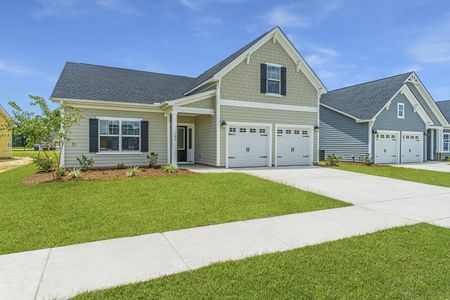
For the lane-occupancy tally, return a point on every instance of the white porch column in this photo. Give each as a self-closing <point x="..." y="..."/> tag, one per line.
<point x="432" y="144"/>
<point x="174" y="132"/>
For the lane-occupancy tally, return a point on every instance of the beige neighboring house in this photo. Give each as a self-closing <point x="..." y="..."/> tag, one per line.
<point x="5" y="137"/>
<point x="258" y="107"/>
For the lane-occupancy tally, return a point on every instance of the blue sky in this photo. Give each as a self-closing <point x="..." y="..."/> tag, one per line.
<point x="346" y="42"/>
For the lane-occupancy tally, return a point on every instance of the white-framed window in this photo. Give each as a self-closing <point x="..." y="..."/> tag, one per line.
<point x="119" y="135"/>
<point x="400" y="110"/>
<point x="447" y="142"/>
<point x="273" y="84"/>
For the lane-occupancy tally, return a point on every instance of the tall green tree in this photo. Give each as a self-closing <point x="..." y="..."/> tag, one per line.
<point x="50" y="128"/>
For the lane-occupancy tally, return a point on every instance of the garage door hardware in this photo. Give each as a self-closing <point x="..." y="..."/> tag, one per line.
<point x="263" y="157"/>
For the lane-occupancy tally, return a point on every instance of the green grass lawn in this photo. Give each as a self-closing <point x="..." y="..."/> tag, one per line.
<point x="56" y="214"/>
<point x="25" y="152"/>
<point x="422" y="176"/>
<point x="411" y="262"/>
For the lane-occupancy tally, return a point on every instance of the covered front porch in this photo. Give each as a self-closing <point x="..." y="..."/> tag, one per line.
<point x="191" y="135"/>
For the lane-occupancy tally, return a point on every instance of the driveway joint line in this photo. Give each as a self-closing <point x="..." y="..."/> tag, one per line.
<point x="42" y="274"/>
<point x="176" y="251"/>
<point x="268" y="234"/>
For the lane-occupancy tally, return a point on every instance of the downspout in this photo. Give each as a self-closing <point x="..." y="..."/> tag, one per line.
<point x="319" y="94"/>
<point x="218" y="124"/>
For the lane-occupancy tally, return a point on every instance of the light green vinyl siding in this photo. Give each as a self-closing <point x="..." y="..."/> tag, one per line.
<point x="256" y="115"/>
<point x="79" y="134"/>
<point x="205" y="140"/>
<point x="243" y="82"/>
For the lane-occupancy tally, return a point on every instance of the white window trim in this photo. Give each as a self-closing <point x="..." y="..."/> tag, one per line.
<point x="446" y="141"/>
<point x="120" y="135"/>
<point x="402" y="110"/>
<point x="267" y="80"/>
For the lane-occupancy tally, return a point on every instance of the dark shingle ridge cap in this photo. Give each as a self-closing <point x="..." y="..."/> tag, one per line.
<point x="127" y="69"/>
<point x="442" y="101"/>
<point x="371" y="81"/>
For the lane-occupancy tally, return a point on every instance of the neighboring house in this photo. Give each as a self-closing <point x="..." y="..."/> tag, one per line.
<point x="258" y="107"/>
<point x="394" y="120"/>
<point x="444" y="106"/>
<point x="5" y="137"/>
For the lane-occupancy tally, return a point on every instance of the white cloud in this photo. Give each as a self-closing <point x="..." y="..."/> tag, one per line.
<point x="198" y="4"/>
<point x="15" y="69"/>
<point x="433" y="44"/>
<point x="284" y="16"/>
<point x="320" y="57"/>
<point x="65" y="8"/>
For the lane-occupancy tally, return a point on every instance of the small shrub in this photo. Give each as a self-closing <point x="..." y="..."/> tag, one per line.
<point x="120" y="166"/>
<point x="169" y="168"/>
<point x="86" y="163"/>
<point x="333" y="159"/>
<point x="44" y="164"/>
<point x="132" y="171"/>
<point x="447" y="158"/>
<point x="60" y="172"/>
<point x="152" y="159"/>
<point x="75" y="173"/>
<point x="368" y="160"/>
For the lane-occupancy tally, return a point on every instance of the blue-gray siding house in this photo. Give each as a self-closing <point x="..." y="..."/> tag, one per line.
<point x="444" y="106"/>
<point x="392" y="120"/>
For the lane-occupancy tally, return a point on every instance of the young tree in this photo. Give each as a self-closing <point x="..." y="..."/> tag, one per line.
<point x="49" y="129"/>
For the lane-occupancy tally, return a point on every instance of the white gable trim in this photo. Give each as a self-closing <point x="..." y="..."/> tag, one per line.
<point x="414" y="79"/>
<point x="190" y="99"/>
<point x="278" y="36"/>
<point x="404" y="90"/>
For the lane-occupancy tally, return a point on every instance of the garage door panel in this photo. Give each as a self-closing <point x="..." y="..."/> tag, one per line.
<point x="293" y="146"/>
<point x="412" y="147"/>
<point x="386" y="148"/>
<point x="248" y="146"/>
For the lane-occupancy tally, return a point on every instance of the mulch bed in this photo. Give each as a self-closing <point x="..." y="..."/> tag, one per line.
<point x="99" y="174"/>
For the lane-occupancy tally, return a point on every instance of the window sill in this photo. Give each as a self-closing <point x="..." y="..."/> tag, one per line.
<point x="118" y="152"/>
<point x="273" y="95"/>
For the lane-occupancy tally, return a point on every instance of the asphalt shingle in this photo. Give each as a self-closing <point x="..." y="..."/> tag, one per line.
<point x="365" y="100"/>
<point x="444" y="107"/>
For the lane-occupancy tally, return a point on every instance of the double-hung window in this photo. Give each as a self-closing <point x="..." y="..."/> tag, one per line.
<point x="273" y="79"/>
<point x="447" y="142"/>
<point x="400" y="110"/>
<point x="119" y="135"/>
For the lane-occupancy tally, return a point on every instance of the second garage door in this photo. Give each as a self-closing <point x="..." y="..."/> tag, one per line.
<point x="412" y="147"/>
<point x="294" y="146"/>
<point x="248" y="146"/>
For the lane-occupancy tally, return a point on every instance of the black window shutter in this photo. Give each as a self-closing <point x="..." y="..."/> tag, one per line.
<point x="283" y="81"/>
<point x="144" y="136"/>
<point x="263" y="78"/>
<point x="93" y="135"/>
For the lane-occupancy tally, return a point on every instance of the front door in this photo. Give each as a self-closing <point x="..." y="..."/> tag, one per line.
<point x="181" y="143"/>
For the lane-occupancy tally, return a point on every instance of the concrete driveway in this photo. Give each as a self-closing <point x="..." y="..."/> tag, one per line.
<point x="440" y="166"/>
<point x="414" y="201"/>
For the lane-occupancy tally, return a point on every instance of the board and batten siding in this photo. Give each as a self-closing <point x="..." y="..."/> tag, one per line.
<point x="79" y="134"/>
<point x="205" y="140"/>
<point x="258" y="115"/>
<point x="243" y="81"/>
<point x="341" y="135"/>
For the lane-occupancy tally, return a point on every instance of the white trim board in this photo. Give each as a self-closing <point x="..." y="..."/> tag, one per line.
<point x="252" y="104"/>
<point x="193" y="110"/>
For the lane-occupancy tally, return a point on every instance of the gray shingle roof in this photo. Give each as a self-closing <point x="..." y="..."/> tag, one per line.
<point x="444" y="107"/>
<point x="93" y="82"/>
<point x="365" y="100"/>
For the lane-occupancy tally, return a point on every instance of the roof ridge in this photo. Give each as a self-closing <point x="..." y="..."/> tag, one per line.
<point x="127" y="69"/>
<point x="442" y="101"/>
<point x="371" y="81"/>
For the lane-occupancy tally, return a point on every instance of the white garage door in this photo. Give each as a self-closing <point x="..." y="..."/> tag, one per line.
<point x="248" y="146"/>
<point x="387" y="147"/>
<point x="412" y="147"/>
<point x="294" y="146"/>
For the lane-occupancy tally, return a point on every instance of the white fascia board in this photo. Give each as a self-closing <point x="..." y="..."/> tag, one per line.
<point x="250" y="104"/>
<point x="341" y="112"/>
<point x="416" y="104"/>
<point x="430" y="101"/>
<point x="287" y="46"/>
<point x="190" y="99"/>
<point x="94" y="104"/>
<point x="193" y="110"/>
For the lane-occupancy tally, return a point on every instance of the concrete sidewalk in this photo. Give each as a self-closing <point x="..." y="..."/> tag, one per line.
<point x="380" y="203"/>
